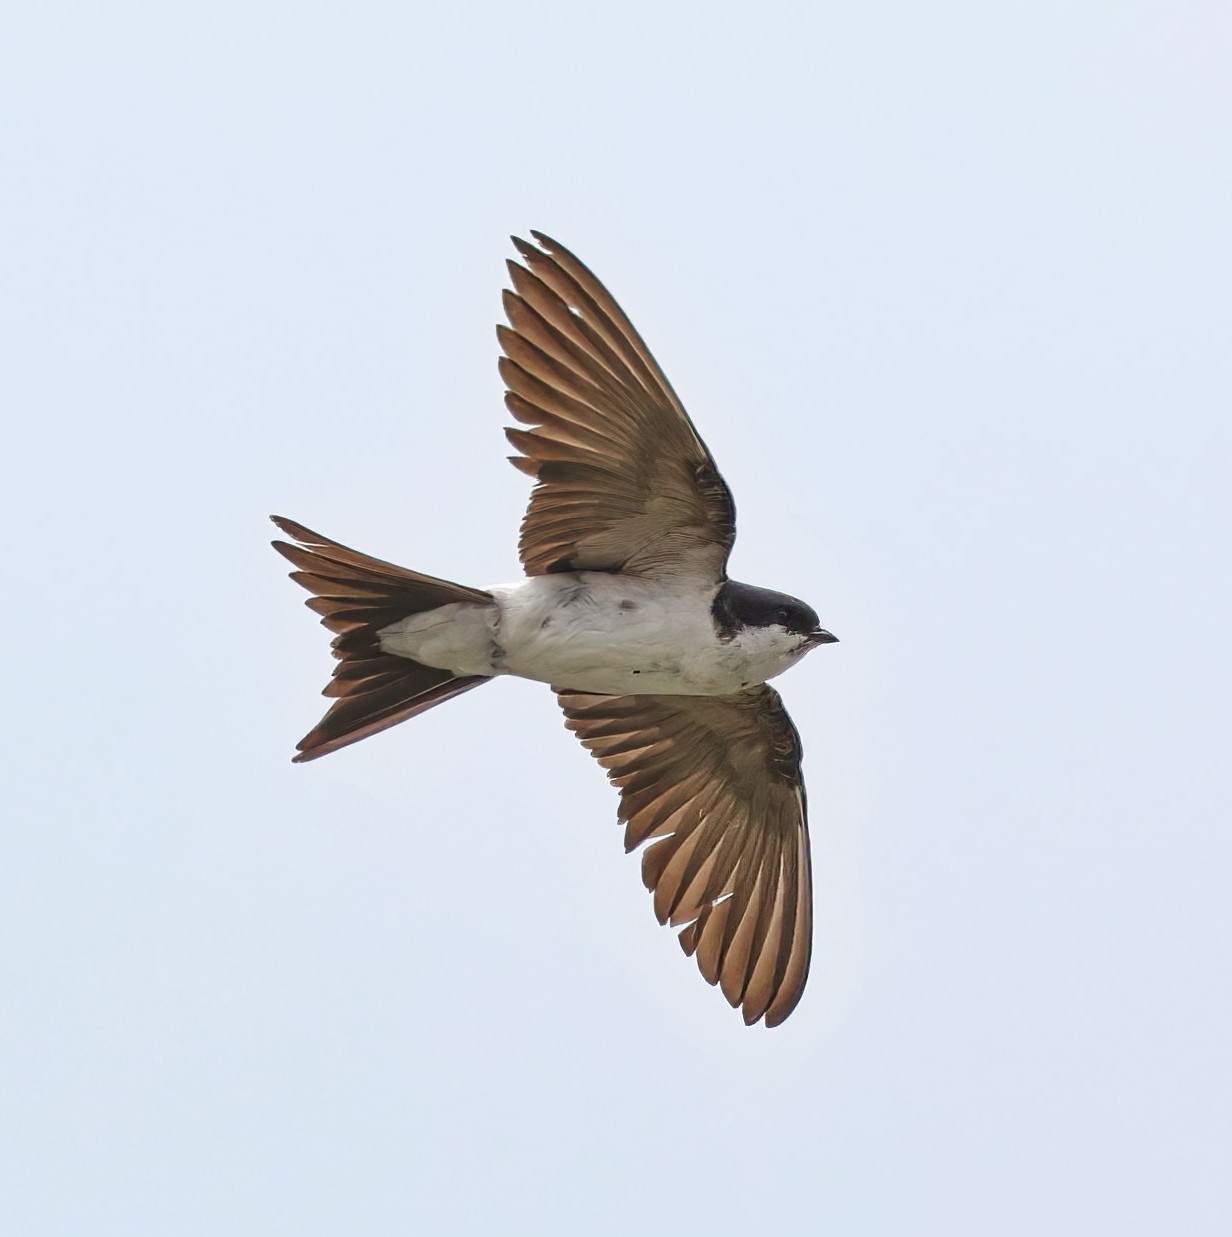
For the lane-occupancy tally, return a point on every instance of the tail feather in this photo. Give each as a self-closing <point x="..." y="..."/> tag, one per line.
<point x="357" y="597"/>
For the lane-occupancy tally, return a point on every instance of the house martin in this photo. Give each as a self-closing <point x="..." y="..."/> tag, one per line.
<point x="659" y="661"/>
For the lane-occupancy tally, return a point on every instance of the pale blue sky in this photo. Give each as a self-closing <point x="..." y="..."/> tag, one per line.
<point x="947" y="289"/>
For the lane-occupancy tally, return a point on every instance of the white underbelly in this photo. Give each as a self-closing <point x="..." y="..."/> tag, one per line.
<point x="594" y="632"/>
<point x="616" y="635"/>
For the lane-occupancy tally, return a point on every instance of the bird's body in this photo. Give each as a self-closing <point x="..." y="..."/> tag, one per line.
<point x="659" y="660"/>
<point x="596" y="631"/>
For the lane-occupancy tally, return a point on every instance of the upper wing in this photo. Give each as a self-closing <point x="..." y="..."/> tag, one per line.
<point x="624" y="481"/>
<point x="717" y="780"/>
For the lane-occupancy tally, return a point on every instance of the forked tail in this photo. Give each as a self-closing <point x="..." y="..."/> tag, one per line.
<point x="357" y="597"/>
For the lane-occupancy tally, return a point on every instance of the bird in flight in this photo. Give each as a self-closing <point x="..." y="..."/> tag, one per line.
<point x="659" y="661"/>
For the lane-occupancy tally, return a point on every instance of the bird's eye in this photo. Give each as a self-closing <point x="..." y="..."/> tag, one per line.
<point x="782" y="615"/>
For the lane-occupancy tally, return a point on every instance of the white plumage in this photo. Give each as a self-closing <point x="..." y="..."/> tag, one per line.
<point x="597" y="632"/>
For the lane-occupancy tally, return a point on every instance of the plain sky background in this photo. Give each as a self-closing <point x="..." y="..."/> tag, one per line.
<point x="947" y="289"/>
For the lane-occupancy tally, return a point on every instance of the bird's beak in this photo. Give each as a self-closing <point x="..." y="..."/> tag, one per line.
<point x="820" y="636"/>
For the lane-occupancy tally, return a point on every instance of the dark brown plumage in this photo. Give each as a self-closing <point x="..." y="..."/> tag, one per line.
<point x="625" y="482"/>
<point x="357" y="595"/>
<point x="714" y="783"/>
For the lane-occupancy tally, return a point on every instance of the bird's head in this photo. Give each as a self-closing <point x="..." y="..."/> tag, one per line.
<point x="743" y="608"/>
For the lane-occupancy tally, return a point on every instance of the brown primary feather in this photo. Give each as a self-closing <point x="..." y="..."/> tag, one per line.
<point x="715" y="784"/>
<point x="357" y="596"/>
<point x="625" y="482"/>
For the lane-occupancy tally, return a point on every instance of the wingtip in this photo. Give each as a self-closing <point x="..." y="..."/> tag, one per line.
<point x="525" y="248"/>
<point x="297" y="532"/>
<point x="546" y="245"/>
